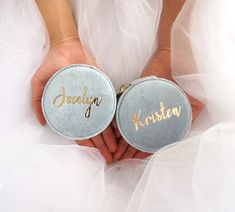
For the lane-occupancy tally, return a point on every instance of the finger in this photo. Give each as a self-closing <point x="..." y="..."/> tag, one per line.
<point x="87" y="143"/>
<point x="114" y="124"/>
<point x="116" y="130"/>
<point x="141" y="155"/>
<point x="129" y="153"/>
<point x="110" y="139"/>
<point x="100" y="144"/>
<point x="120" y="149"/>
<point x="37" y="90"/>
<point x="117" y="134"/>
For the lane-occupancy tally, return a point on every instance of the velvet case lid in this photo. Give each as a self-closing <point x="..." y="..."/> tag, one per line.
<point x="152" y="113"/>
<point x="79" y="102"/>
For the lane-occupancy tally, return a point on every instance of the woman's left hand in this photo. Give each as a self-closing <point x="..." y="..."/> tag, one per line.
<point x="159" y="66"/>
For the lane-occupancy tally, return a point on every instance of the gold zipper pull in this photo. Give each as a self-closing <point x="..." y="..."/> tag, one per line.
<point x="122" y="89"/>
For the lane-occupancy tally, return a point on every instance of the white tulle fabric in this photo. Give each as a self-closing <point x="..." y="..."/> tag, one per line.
<point x="119" y="34"/>
<point x="41" y="171"/>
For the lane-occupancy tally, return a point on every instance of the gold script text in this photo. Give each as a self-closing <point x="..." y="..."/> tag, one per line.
<point x="62" y="99"/>
<point x="155" y="117"/>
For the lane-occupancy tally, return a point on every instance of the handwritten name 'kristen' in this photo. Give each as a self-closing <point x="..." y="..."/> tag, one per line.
<point x="62" y="99"/>
<point x="161" y="115"/>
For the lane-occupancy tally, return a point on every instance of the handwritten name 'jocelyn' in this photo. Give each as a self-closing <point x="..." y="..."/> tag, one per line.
<point x="83" y="99"/>
<point x="154" y="117"/>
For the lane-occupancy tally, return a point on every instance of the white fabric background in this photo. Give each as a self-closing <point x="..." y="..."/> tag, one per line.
<point x="40" y="171"/>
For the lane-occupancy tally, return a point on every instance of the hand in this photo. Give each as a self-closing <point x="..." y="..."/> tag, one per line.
<point x="124" y="150"/>
<point x="106" y="142"/>
<point x="159" y="66"/>
<point x="61" y="55"/>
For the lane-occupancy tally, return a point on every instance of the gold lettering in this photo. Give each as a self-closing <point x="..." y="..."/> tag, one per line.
<point x="70" y="99"/>
<point x="78" y="100"/>
<point x="155" y="117"/>
<point x="168" y="113"/>
<point x="136" y="120"/>
<point x="159" y="117"/>
<point x="61" y="99"/>
<point x="84" y="95"/>
<point x="162" y="110"/>
<point x="96" y="102"/>
<point x="176" y="111"/>
<point x="147" y="119"/>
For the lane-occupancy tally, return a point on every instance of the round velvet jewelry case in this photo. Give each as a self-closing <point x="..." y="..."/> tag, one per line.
<point x="79" y="102"/>
<point x="152" y="113"/>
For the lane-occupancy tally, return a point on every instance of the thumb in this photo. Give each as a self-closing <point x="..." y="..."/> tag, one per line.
<point x="159" y="65"/>
<point x="37" y="91"/>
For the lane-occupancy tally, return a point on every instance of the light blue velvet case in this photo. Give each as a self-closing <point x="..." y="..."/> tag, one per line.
<point x="152" y="113"/>
<point x="79" y="102"/>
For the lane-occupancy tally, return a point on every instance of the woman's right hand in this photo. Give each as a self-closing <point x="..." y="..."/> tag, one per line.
<point x="62" y="54"/>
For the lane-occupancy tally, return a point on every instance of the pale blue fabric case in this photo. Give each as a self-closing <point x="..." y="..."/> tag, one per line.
<point x="79" y="102"/>
<point x="152" y="113"/>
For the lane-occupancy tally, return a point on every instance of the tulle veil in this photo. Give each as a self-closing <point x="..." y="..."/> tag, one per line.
<point x="40" y="171"/>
